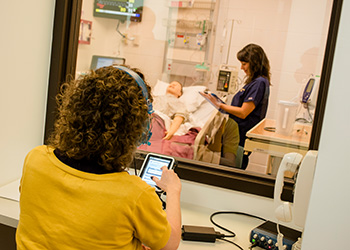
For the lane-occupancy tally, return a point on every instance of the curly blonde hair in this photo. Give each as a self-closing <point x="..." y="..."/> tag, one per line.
<point x="102" y="117"/>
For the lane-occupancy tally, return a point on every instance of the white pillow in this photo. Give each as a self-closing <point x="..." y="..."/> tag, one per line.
<point x="160" y="88"/>
<point x="192" y="98"/>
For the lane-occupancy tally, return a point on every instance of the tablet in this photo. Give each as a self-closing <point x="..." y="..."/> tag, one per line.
<point x="216" y="97"/>
<point x="152" y="167"/>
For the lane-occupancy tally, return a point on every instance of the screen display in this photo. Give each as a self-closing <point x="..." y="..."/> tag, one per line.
<point x="310" y="85"/>
<point x="122" y="10"/>
<point x="223" y="81"/>
<point x="307" y="90"/>
<point x="104" y="61"/>
<point x="152" y="167"/>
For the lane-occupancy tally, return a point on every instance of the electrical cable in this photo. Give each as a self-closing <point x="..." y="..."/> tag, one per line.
<point x="231" y="212"/>
<point x="279" y="237"/>
<point x="304" y="120"/>
<point x="135" y="169"/>
<point x="232" y="243"/>
<point x="119" y="31"/>
<point x="160" y="197"/>
<point x="124" y="36"/>
<point x="253" y="245"/>
<point x="222" y="236"/>
<point x="310" y="115"/>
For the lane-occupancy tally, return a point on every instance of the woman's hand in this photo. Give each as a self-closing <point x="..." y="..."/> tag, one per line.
<point x="212" y="99"/>
<point x="171" y="184"/>
<point x="169" y="181"/>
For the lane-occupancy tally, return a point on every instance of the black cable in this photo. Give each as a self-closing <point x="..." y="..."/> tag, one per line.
<point x="135" y="169"/>
<point x="232" y="212"/>
<point x="303" y="120"/>
<point x="160" y="197"/>
<point x="119" y="31"/>
<point x="223" y="228"/>
<point x="253" y="245"/>
<point x="221" y="236"/>
<point x="232" y="243"/>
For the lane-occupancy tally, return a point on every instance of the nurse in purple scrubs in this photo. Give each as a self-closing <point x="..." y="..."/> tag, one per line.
<point x="249" y="105"/>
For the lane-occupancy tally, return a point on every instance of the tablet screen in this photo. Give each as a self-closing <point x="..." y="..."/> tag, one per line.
<point x="152" y="167"/>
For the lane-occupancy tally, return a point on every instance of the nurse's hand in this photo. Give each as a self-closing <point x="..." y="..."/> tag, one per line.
<point x="212" y="99"/>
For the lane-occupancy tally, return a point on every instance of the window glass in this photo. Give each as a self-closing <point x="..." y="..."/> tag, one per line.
<point x="196" y="43"/>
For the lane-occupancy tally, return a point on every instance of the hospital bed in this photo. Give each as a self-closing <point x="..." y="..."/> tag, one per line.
<point x="196" y="138"/>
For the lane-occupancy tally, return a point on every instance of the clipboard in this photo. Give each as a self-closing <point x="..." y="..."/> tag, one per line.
<point x="217" y="98"/>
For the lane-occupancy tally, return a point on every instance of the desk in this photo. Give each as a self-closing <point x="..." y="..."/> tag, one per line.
<point x="276" y="145"/>
<point x="200" y="216"/>
<point x="191" y="215"/>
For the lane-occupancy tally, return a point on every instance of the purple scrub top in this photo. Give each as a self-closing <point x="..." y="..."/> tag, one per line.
<point x="256" y="91"/>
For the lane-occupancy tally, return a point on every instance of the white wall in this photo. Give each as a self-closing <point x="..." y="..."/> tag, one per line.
<point x="25" y="48"/>
<point x="328" y="216"/>
<point x="221" y="199"/>
<point x="145" y="52"/>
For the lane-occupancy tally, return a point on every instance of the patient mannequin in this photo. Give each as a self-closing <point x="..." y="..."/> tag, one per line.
<point x="170" y="105"/>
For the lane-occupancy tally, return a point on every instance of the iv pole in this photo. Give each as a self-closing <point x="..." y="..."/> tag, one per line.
<point x="229" y="45"/>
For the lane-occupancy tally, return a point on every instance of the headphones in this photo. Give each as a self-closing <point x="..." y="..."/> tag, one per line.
<point x="283" y="209"/>
<point x="147" y="135"/>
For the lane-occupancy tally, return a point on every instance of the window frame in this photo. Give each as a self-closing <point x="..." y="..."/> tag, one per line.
<point x="63" y="64"/>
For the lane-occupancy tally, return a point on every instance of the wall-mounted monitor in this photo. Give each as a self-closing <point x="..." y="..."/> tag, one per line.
<point x="104" y="61"/>
<point x="122" y="10"/>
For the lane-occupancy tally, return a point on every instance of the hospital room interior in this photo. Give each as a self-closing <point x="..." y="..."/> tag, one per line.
<point x="195" y="43"/>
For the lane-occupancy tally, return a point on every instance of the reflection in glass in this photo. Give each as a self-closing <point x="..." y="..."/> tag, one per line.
<point x="194" y="42"/>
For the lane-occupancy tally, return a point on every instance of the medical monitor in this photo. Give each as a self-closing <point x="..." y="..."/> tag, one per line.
<point x="227" y="79"/>
<point x="104" y="61"/>
<point x="122" y="10"/>
<point x="309" y="96"/>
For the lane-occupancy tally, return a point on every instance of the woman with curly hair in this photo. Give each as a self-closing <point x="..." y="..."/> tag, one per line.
<point x="76" y="192"/>
<point x="249" y="105"/>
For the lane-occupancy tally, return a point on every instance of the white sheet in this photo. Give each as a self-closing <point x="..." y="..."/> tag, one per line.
<point x="199" y="109"/>
<point x="167" y="122"/>
<point x="201" y="115"/>
<point x="195" y="119"/>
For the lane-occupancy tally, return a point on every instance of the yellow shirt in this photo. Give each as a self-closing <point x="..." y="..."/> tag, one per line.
<point x="63" y="208"/>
